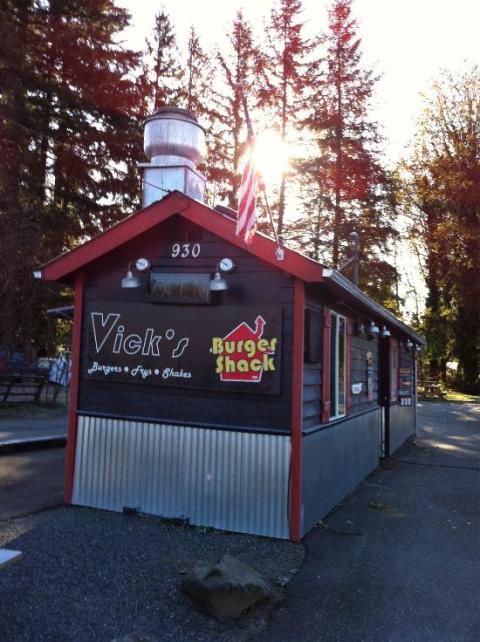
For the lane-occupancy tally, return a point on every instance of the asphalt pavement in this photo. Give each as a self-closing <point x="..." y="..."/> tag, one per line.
<point x="29" y="428"/>
<point x="31" y="481"/>
<point x="399" y="560"/>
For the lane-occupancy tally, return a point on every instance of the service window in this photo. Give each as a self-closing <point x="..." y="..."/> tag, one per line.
<point x="337" y="365"/>
<point x="394" y="371"/>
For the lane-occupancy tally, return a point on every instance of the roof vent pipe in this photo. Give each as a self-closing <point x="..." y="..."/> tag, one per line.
<point x="174" y="143"/>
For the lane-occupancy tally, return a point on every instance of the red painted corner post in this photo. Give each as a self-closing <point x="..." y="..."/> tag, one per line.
<point x="297" y="400"/>
<point x="73" y="405"/>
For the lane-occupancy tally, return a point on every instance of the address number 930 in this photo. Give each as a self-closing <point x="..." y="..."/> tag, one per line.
<point x="184" y="250"/>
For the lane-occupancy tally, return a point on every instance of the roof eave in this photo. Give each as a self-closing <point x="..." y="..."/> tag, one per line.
<point x="62" y="268"/>
<point x="339" y="283"/>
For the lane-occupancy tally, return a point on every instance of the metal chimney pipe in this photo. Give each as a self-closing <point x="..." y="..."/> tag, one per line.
<point x="174" y="143"/>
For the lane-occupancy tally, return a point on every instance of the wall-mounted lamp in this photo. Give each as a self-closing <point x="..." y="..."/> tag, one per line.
<point x="218" y="283"/>
<point x="373" y="329"/>
<point x="385" y="332"/>
<point x="132" y="281"/>
<point x="418" y="348"/>
<point x="409" y="345"/>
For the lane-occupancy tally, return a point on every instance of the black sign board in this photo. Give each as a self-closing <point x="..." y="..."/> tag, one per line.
<point x="213" y="348"/>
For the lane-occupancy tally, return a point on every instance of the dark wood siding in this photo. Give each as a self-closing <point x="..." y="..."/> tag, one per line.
<point x="312" y="376"/>
<point x="312" y="395"/>
<point x="317" y="299"/>
<point x="253" y="284"/>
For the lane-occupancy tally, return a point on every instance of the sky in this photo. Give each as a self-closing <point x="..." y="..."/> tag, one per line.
<point x="407" y="42"/>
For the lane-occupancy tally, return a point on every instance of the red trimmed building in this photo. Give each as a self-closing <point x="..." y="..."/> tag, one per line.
<point x="153" y="424"/>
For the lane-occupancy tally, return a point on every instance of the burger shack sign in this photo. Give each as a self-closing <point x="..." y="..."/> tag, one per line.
<point x="191" y="347"/>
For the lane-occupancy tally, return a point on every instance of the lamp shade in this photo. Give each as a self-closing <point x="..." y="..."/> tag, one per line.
<point x="385" y="332"/>
<point x="373" y="329"/>
<point x="218" y="283"/>
<point x="130" y="281"/>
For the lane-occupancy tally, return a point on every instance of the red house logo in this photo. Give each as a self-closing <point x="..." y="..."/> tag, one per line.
<point x="243" y="355"/>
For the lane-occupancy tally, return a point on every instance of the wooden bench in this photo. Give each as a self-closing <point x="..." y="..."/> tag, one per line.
<point x="21" y="388"/>
<point x="9" y="557"/>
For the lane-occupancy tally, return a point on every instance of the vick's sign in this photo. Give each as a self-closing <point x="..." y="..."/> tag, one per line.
<point x="184" y="346"/>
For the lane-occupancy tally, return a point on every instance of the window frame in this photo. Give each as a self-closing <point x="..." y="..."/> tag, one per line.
<point x="394" y="371"/>
<point x="334" y="395"/>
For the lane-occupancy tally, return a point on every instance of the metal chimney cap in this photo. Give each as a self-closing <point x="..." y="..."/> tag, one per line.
<point x="174" y="112"/>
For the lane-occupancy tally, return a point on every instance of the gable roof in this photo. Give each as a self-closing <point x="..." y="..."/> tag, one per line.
<point x="220" y="223"/>
<point x="176" y="203"/>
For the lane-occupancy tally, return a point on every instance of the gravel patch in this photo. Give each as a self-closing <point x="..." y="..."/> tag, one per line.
<point x="94" y="575"/>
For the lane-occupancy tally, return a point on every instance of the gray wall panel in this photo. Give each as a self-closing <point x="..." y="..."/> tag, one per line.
<point x="402" y="425"/>
<point x="335" y="460"/>
<point x="229" y="480"/>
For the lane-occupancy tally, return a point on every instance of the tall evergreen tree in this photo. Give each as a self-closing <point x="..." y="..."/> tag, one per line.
<point x="68" y="109"/>
<point x="237" y="69"/>
<point x="164" y="78"/>
<point x="343" y="176"/>
<point x="282" y="69"/>
<point x="198" y="97"/>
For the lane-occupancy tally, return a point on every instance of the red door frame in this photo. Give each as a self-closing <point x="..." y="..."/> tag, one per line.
<point x="297" y="412"/>
<point x="73" y="405"/>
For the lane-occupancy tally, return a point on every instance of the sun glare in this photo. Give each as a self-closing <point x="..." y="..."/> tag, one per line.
<point x="271" y="156"/>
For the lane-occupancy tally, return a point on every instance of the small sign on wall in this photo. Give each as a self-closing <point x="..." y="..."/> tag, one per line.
<point x="369" y="361"/>
<point x="357" y="388"/>
<point x="406" y="382"/>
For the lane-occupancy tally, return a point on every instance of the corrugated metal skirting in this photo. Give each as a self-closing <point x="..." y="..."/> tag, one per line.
<point x="335" y="460"/>
<point x="402" y="425"/>
<point x="229" y="480"/>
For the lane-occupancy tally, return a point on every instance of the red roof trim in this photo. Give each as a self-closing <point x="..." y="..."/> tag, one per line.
<point x="177" y="203"/>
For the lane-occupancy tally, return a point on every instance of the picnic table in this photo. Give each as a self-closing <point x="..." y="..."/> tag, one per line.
<point x="432" y="388"/>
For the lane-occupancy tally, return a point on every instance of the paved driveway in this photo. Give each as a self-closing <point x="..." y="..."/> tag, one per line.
<point x="409" y="569"/>
<point x="31" y="481"/>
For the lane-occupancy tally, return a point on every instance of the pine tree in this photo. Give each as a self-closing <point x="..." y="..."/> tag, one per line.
<point x="69" y="109"/>
<point x="197" y="96"/>
<point x="344" y="175"/>
<point x="165" y="75"/>
<point x="236" y="71"/>
<point x="282" y="69"/>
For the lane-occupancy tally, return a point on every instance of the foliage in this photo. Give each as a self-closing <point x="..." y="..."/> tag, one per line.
<point x="344" y="185"/>
<point x="444" y="178"/>
<point x="282" y="68"/>
<point x="68" y="115"/>
<point x="236" y="65"/>
<point x="163" y="74"/>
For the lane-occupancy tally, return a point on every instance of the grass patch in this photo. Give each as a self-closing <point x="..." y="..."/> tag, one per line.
<point x="453" y="395"/>
<point x="449" y="395"/>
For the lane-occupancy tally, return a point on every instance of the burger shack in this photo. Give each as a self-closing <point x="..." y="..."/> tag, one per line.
<point x="214" y="383"/>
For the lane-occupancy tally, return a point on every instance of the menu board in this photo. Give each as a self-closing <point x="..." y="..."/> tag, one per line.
<point x="406" y="382"/>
